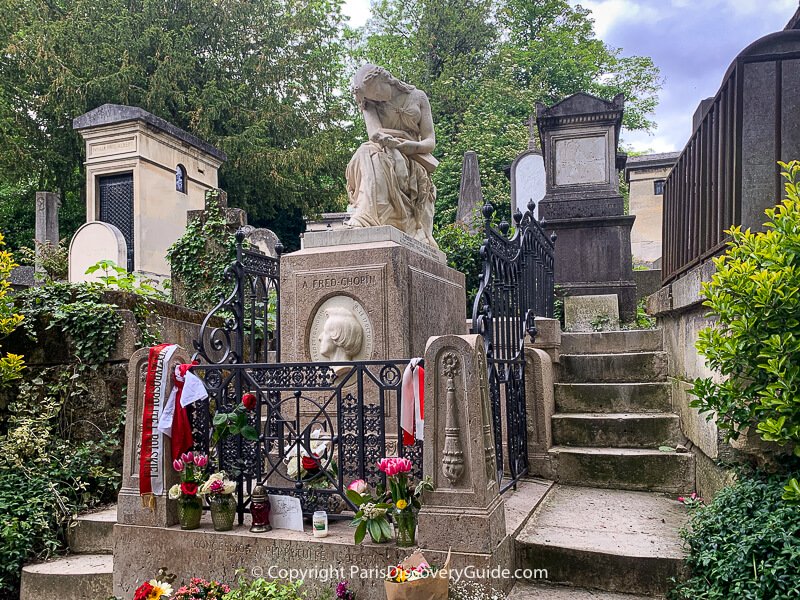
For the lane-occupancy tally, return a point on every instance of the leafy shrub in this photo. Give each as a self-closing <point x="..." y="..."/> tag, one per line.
<point x="755" y="341"/>
<point x="463" y="254"/>
<point x="263" y="589"/>
<point x="744" y="545"/>
<point x="11" y="365"/>
<point x="52" y="259"/>
<point x="45" y="478"/>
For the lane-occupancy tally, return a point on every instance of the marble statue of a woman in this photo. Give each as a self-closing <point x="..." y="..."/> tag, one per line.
<point x="388" y="178"/>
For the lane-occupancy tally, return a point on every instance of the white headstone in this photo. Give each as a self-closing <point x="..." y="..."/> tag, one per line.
<point x="93" y="242"/>
<point x="528" y="181"/>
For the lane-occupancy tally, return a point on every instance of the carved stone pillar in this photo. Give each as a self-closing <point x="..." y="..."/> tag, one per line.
<point x="540" y="405"/>
<point x="464" y="512"/>
<point x="130" y="510"/>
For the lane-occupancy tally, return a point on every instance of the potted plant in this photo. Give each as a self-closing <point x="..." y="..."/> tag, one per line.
<point x="405" y="498"/>
<point x="190" y="506"/>
<point x="372" y="515"/>
<point x="219" y="490"/>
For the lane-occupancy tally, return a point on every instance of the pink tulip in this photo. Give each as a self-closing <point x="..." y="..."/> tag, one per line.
<point x="200" y="460"/>
<point x="187" y="457"/>
<point x="177" y="465"/>
<point x="403" y="465"/>
<point x="359" y="486"/>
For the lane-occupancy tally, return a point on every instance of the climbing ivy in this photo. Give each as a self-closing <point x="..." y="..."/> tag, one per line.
<point x="78" y="311"/>
<point x="198" y="259"/>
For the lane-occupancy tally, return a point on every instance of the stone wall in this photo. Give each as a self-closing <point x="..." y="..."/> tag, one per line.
<point x="680" y="312"/>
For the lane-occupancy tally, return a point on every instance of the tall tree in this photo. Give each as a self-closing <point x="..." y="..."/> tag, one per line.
<point x="485" y="65"/>
<point x="260" y="79"/>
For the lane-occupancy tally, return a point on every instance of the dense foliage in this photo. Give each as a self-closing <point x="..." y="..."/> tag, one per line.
<point x="462" y="248"/>
<point x="755" y="341"/>
<point x="744" y="545"/>
<point x="267" y="82"/>
<point x="11" y="364"/>
<point x="486" y="64"/>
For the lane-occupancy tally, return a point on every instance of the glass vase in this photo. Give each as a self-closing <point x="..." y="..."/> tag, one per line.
<point x="405" y="527"/>
<point x="190" y="509"/>
<point x="223" y="511"/>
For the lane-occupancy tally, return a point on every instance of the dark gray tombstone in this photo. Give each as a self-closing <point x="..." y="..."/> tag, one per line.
<point x="470" y="196"/>
<point x="582" y="203"/>
<point x="47" y="205"/>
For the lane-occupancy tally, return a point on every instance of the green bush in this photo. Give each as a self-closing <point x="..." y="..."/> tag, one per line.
<point x="755" y="342"/>
<point x="744" y="545"/>
<point x="463" y="250"/>
<point x="262" y="589"/>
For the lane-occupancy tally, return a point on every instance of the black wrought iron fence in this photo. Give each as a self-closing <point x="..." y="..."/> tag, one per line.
<point x="516" y="285"/>
<point x="250" y="314"/>
<point x="320" y="426"/>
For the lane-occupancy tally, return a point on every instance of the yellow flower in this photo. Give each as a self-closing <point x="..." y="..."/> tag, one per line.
<point x="161" y="589"/>
<point x="401" y="504"/>
<point x="402" y="575"/>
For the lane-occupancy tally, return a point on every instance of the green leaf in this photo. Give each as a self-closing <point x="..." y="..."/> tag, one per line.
<point x="249" y="432"/>
<point x="355" y="497"/>
<point x="361" y="531"/>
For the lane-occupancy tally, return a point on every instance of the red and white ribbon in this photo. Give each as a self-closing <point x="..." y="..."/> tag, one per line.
<point x="151" y="463"/>
<point x="412" y="404"/>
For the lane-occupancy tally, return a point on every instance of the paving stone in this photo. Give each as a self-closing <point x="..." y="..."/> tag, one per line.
<point x="77" y="577"/>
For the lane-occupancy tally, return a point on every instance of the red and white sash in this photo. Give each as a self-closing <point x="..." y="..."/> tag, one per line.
<point x="188" y="388"/>
<point x="412" y="406"/>
<point x="151" y="457"/>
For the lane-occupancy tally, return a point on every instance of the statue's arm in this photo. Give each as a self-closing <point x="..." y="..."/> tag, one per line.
<point x="373" y="122"/>
<point x="427" y="137"/>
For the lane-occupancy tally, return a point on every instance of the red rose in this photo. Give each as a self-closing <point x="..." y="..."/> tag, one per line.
<point x="309" y="464"/>
<point x="188" y="488"/>
<point x="249" y="401"/>
<point x="143" y="591"/>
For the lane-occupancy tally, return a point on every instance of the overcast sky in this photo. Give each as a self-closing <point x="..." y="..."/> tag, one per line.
<point x="692" y="41"/>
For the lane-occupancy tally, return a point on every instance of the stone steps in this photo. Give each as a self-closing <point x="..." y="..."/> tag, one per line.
<point x="612" y="342"/>
<point x="624" y="468"/>
<point x="525" y="590"/>
<point x="76" y="577"/>
<point x="93" y="533"/>
<point x="613" y="397"/>
<point x="629" y="367"/>
<point x="619" y="430"/>
<point x="611" y="540"/>
<point x="87" y="573"/>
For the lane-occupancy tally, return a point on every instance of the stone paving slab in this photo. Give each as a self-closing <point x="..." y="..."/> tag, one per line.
<point x="78" y="577"/>
<point x="610" y="521"/>
<point x="532" y="591"/>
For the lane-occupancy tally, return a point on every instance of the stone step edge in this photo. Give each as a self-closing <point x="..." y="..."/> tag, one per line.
<point x="612" y="450"/>
<point x="624" y="354"/>
<point x="599" y="416"/>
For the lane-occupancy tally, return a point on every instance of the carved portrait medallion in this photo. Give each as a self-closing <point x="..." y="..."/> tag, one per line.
<point x="340" y="331"/>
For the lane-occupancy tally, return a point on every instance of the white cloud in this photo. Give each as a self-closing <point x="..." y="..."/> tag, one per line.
<point x="357" y="10"/>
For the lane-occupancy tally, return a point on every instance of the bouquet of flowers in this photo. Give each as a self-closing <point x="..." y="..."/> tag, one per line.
<point x="372" y="513"/>
<point x="218" y="484"/>
<point x="155" y="589"/>
<point x="190" y="466"/>
<point x="200" y="589"/>
<point x="416" y="578"/>
<point x="405" y="497"/>
<point x="301" y="464"/>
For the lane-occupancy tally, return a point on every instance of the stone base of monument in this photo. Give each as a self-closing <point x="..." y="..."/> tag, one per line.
<point x="139" y="552"/>
<point x="400" y="291"/>
<point x="593" y="257"/>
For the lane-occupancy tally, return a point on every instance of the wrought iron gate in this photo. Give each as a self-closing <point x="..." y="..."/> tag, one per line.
<point x="319" y="425"/>
<point x="516" y="285"/>
<point x="116" y="207"/>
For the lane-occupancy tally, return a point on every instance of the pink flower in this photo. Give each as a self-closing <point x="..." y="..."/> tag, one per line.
<point x="200" y="460"/>
<point x="177" y="465"/>
<point x="216" y="486"/>
<point x="681" y="499"/>
<point x="403" y="465"/>
<point x="387" y="466"/>
<point x="359" y="486"/>
<point x="187" y="457"/>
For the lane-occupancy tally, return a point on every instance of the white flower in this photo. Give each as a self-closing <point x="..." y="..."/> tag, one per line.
<point x="174" y="492"/>
<point x="319" y="447"/>
<point x="228" y="486"/>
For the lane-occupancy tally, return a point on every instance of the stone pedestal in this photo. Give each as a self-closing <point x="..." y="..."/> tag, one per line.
<point x="398" y="292"/>
<point x="129" y="503"/>
<point x="47" y="205"/>
<point x="583" y="204"/>
<point x="465" y="512"/>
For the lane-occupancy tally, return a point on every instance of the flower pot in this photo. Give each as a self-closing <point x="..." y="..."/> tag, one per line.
<point x="190" y="509"/>
<point x="223" y="511"/>
<point x="405" y="527"/>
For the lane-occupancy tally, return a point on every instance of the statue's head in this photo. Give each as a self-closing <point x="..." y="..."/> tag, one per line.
<point x="342" y="330"/>
<point x="375" y="83"/>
